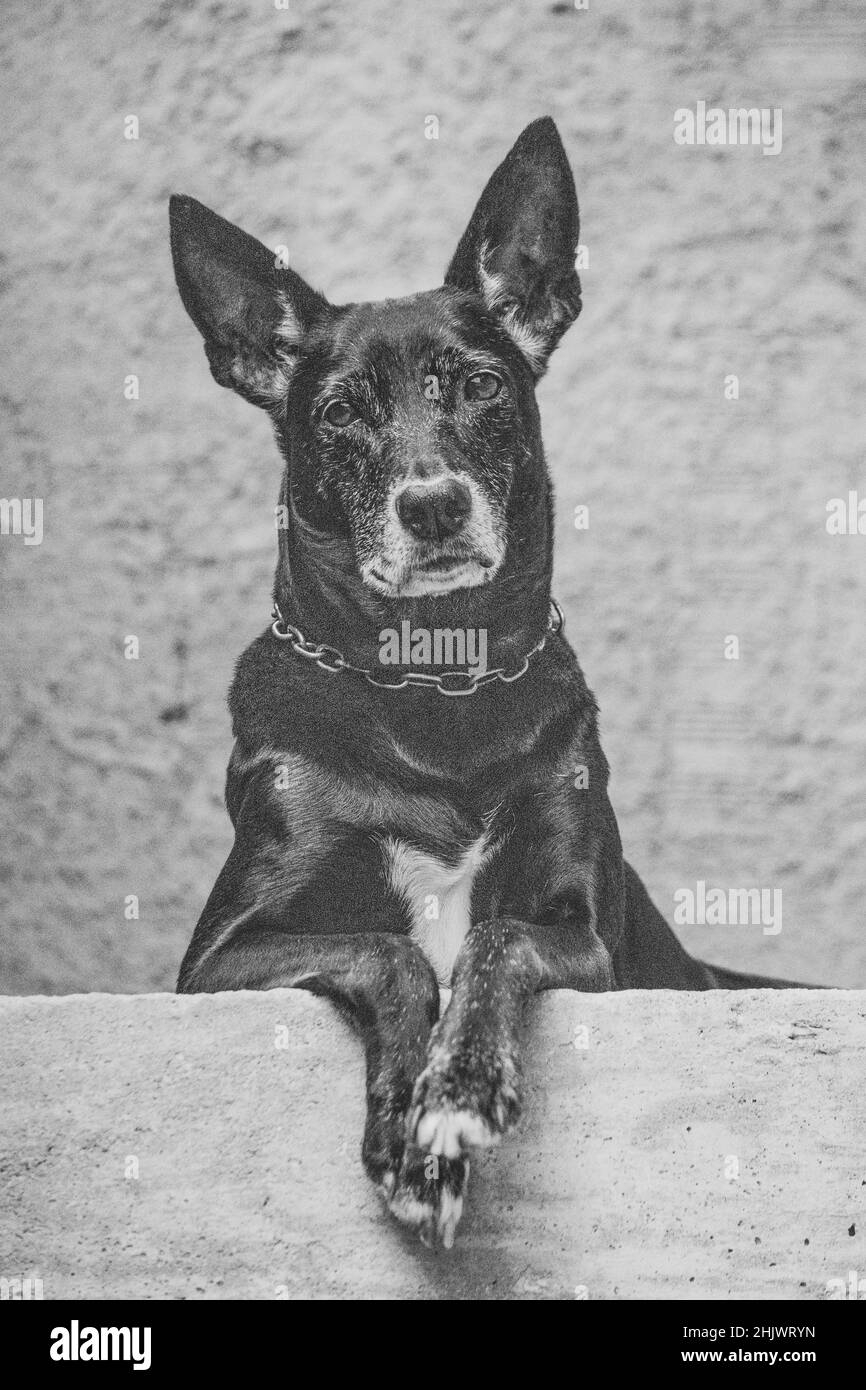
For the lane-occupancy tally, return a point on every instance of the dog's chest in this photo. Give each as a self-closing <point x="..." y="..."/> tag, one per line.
<point x="438" y="897"/>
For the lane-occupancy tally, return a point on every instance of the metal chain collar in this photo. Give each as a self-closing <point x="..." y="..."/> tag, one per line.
<point x="330" y="660"/>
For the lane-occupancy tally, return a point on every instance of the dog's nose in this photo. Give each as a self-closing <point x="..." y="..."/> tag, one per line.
<point x="434" y="513"/>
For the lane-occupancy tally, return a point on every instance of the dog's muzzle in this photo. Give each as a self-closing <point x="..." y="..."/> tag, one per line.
<point x="439" y="534"/>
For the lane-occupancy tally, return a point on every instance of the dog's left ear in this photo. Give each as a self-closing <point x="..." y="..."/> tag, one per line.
<point x="519" y="248"/>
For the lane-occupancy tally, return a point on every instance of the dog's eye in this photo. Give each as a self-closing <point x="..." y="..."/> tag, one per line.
<point x="482" y="386"/>
<point x="339" y="414"/>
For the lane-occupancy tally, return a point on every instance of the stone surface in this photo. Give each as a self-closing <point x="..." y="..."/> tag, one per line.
<point x="695" y="1146"/>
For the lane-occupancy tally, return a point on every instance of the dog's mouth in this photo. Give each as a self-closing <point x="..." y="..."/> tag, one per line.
<point x="443" y="563"/>
<point x="436" y="574"/>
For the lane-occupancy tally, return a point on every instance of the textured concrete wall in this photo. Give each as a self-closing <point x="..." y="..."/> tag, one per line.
<point x="707" y="516"/>
<point x="673" y="1146"/>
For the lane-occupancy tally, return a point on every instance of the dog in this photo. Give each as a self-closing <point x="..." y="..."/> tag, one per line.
<point x="398" y="829"/>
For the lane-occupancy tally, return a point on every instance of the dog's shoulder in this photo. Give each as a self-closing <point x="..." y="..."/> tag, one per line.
<point x="279" y="700"/>
<point x="263" y="695"/>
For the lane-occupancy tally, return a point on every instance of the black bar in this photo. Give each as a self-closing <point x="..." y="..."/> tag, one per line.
<point x="226" y="1337"/>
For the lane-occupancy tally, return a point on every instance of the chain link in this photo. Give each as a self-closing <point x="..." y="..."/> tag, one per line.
<point x="320" y="651"/>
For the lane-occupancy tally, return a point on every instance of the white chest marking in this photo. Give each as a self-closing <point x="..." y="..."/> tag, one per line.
<point x="438" y="897"/>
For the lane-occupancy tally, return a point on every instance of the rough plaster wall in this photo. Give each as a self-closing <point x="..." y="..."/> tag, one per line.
<point x="697" y="1146"/>
<point x="706" y="516"/>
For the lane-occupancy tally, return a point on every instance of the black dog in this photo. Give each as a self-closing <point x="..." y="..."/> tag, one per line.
<point x="389" y="840"/>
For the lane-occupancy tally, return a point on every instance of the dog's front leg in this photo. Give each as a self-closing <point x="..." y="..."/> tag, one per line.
<point x="470" y="1090"/>
<point x="387" y="989"/>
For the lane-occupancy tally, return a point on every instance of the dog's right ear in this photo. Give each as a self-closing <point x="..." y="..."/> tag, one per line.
<point x="251" y="314"/>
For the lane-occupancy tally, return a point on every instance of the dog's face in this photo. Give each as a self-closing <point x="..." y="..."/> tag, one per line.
<point x="404" y="423"/>
<point x="408" y="433"/>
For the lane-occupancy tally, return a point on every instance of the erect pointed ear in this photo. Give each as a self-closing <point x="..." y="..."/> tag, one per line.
<point x="519" y="248"/>
<point x="251" y="314"/>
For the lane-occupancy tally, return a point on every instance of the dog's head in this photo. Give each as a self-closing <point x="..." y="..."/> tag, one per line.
<point x="409" y="426"/>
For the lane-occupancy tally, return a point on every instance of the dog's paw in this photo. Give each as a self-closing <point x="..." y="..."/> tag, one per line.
<point x="463" y="1101"/>
<point x="427" y="1195"/>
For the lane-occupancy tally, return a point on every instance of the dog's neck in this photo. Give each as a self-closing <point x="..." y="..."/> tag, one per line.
<point x="317" y="588"/>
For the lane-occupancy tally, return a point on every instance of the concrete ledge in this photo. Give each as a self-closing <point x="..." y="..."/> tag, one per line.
<point x="697" y="1146"/>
